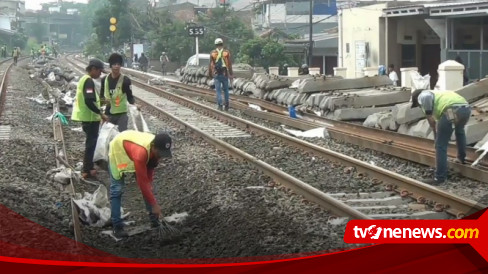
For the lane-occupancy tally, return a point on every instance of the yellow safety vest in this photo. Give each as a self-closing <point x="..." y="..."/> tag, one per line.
<point x="81" y="112"/>
<point x="120" y="162"/>
<point x="118" y="100"/>
<point x="444" y="99"/>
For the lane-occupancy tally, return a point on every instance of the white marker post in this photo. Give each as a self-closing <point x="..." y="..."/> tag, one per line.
<point x="196" y="48"/>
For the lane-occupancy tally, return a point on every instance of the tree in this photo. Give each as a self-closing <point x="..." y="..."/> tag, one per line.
<point x="264" y="53"/>
<point x="225" y="24"/>
<point x="88" y="14"/>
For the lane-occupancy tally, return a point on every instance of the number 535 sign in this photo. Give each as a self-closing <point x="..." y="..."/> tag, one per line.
<point x="196" y="31"/>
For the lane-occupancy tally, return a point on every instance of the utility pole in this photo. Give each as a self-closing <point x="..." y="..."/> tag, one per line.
<point x="310" y="41"/>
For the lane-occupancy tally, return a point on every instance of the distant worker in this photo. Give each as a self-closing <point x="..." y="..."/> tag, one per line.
<point x="465" y="73"/>
<point x="143" y="62"/>
<point x="3" y="51"/>
<point x="136" y="58"/>
<point x="450" y="110"/>
<point x="392" y="74"/>
<point x="43" y="52"/>
<point x="220" y="69"/>
<point x="86" y="109"/>
<point x="33" y="54"/>
<point x="284" y="70"/>
<point x="164" y="62"/>
<point x="133" y="151"/>
<point x="16" y="54"/>
<point x="116" y="91"/>
<point x="304" y="70"/>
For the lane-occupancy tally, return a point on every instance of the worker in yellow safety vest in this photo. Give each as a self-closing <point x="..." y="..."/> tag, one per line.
<point x="220" y="69"/>
<point x="445" y="110"/>
<point x="116" y="91"/>
<point x="86" y="109"/>
<point x="133" y="151"/>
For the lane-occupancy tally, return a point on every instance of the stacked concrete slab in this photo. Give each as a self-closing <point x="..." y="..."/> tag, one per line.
<point x="198" y="75"/>
<point x="412" y="121"/>
<point x="322" y="83"/>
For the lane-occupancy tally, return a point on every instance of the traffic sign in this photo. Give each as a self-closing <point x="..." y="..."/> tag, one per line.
<point x="196" y="31"/>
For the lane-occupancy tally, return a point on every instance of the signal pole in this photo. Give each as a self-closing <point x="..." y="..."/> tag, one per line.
<point x="113" y="28"/>
<point x="310" y="41"/>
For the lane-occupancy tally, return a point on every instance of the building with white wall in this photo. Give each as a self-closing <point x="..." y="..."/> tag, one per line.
<point x="10" y="15"/>
<point x="411" y="34"/>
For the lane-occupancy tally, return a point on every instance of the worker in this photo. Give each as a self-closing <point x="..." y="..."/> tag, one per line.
<point x="164" y="62"/>
<point x="16" y="54"/>
<point x="116" y="91"/>
<point x="133" y="151"/>
<point x="144" y="62"/>
<point x="445" y="110"/>
<point x="304" y="70"/>
<point x="220" y="69"/>
<point x="86" y="109"/>
<point x="393" y="75"/>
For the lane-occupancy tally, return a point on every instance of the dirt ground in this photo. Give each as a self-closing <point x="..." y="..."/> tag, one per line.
<point x="232" y="211"/>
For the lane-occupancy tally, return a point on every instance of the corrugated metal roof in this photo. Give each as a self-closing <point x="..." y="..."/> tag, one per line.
<point x="457" y="3"/>
<point x="437" y="4"/>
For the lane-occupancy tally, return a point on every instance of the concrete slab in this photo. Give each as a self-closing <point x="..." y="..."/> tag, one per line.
<point x="476" y="129"/>
<point x="420" y="129"/>
<point x="474" y="91"/>
<point x="481" y="142"/>
<point x="403" y="129"/>
<point x="347" y="114"/>
<point x="384" y="120"/>
<point x="403" y="114"/>
<point x="324" y="84"/>
<point x="366" y="98"/>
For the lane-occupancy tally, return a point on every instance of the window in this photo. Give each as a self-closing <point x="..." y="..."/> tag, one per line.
<point x="297" y="8"/>
<point x="467" y="33"/>
<point x="485" y="32"/>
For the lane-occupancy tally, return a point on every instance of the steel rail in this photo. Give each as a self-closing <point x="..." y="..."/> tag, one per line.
<point x="415" y="149"/>
<point x="3" y="86"/>
<point x="310" y="193"/>
<point x="453" y="204"/>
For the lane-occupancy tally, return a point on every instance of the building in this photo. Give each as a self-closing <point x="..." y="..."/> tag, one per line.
<point x="415" y="34"/>
<point x="11" y="16"/>
<point x="53" y="26"/>
<point x="293" y="18"/>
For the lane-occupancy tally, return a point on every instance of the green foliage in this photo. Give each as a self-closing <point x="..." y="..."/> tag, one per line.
<point x="264" y="53"/>
<point x="94" y="48"/>
<point x="225" y="24"/>
<point x="87" y="13"/>
<point x="162" y="31"/>
<point x="32" y="44"/>
<point x="19" y="40"/>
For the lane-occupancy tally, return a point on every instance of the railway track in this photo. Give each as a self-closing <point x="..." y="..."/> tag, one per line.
<point x="59" y="142"/>
<point x="4" y="70"/>
<point x="411" y="148"/>
<point x="179" y="109"/>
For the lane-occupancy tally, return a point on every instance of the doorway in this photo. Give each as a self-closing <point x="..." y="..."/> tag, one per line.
<point x="431" y="58"/>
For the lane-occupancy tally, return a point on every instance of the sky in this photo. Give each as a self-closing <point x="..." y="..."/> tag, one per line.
<point x="35" y="4"/>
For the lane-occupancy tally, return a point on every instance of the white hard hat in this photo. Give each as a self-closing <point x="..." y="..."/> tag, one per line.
<point x="219" y="41"/>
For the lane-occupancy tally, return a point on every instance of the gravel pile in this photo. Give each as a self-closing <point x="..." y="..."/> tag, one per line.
<point x="234" y="210"/>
